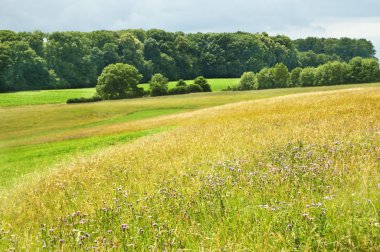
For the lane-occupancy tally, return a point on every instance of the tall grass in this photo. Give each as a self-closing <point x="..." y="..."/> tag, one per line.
<point x="291" y="173"/>
<point x="33" y="138"/>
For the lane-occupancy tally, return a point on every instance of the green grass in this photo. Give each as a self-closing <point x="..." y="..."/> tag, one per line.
<point x="43" y="97"/>
<point x="290" y="173"/>
<point x="60" y="96"/>
<point x="28" y="130"/>
<point x="216" y="84"/>
<point x="22" y="160"/>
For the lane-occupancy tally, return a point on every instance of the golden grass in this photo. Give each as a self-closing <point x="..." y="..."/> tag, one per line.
<point x="294" y="172"/>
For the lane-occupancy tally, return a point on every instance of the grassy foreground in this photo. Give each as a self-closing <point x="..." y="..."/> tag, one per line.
<point x="298" y="172"/>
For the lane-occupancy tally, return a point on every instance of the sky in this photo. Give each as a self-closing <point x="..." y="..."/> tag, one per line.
<point x="294" y="18"/>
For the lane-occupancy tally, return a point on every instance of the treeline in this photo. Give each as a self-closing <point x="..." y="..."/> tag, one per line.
<point x="36" y="60"/>
<point x="357" y="70"/>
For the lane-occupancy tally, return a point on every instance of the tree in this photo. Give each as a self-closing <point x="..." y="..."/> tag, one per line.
<point x="307" y="77"/>
<point x="333" y="73"/>
<point x="364" y="70"/>
<point x="119" y="81"/>
<point x="201" y="81"/>
<point x="264" y="79"/>
<point x="280" y="75"/>
<point x="23" y="68"/>
<point x="247" y="81"/>
<point x="69" y="55"/>
<point x="295" y="77"/>
<point x="158" y="85"/>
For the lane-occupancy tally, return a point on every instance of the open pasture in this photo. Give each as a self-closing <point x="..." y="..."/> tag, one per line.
<point x="296" y="172"/>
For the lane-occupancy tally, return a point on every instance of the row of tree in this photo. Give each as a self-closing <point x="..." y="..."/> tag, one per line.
<point x="37" y="60"/>
<point x="357" y="70"/>
<point x="118" y="81"/>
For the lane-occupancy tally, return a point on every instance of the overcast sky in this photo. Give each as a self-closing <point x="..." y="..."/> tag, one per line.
<point x="295" y="18"/>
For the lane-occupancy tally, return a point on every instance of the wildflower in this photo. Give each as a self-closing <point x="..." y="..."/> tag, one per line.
<point x="124" y="227"/>
<point x="141" y="230"/>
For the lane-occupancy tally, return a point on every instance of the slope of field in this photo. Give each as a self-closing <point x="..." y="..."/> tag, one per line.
<point x="299" y="172"/>
<point x="35" y="137"/>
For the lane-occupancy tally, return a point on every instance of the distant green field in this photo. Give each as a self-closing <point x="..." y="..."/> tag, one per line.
<point x="43" y="96"/>
<point x="61" y="95"/>
<point x="216" y="84"/>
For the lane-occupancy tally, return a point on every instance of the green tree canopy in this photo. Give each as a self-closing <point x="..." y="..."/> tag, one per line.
<point x="280" y="75"/>
<point x="294" y="77"/>
<point x="158" y="85"/>
<point x="118" y="81"/>
<point x="247" y="81"/>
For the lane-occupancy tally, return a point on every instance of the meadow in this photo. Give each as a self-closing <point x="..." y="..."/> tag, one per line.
<point x="61" y="95"/>
<point x="291" y="169"/>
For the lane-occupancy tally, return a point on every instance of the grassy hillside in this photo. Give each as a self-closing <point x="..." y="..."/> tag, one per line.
<point x="297" y="172"/>
<point x="35" y="137"/>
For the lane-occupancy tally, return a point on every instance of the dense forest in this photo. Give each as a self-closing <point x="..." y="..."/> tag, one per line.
<point x="37" y="60"/>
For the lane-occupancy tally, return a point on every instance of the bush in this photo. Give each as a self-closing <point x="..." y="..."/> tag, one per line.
<point x="308" y="77"/>
<point x="247" y="82"/>
<point x="158" y="85"/>
<point x="138" y="92"/>
<point x="178" y="90"/>
<point x="83" y="99"/>
<point x="294" y="77"/>
<point x="181" y="83"/>
<point x="194" y="88"/>
<point x="201" y="81"/>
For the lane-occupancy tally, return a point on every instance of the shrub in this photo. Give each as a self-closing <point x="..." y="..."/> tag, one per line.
<point x="158" y="85"/>
<point x="181" y="83"/>
<point x="95" y="98"/>
<point x="247" y="82"/>
<point x="308" y="77"/>
<point x="294" y="77"/>
<point x="178" y="90"/>
<point x="194" y="88"/>
<point x="201" y="81"/>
